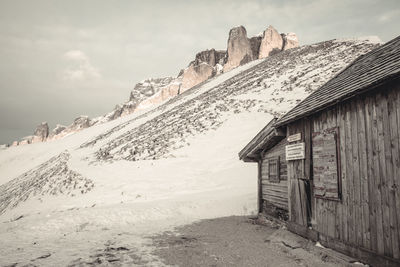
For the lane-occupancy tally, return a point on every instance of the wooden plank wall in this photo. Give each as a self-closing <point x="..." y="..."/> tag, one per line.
<point x="275" y="193"/>
<point x="298" y="172"/>
<point x="368" y="214"/>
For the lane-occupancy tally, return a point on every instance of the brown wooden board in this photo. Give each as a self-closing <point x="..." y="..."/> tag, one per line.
<point x="371" y="178"/>
<point x="344" y="206"/>
<point x="383" y="175"/>
<point x="259" y="191"/>
<point x="326" y="164"/>
<point x="362" y="152"/>
<point x="377" y="178"/>
<point x="394" y="145"/>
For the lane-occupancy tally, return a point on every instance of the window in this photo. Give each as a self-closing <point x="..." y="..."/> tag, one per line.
<point x="326" y="164"/>
<point x="273" y="170"/>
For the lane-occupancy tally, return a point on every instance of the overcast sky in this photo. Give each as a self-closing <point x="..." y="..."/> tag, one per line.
<point x="61" y="59"/>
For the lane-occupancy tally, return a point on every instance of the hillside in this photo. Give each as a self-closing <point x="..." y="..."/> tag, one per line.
<point x="156" y="168"/>
<point x="206" y="65"/>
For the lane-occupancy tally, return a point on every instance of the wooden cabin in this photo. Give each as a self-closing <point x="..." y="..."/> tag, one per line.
<point x="267" y="148"/>
<point x="343" y="159"/>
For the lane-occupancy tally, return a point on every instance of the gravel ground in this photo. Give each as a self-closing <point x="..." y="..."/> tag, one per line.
<point x="240" y="241"/>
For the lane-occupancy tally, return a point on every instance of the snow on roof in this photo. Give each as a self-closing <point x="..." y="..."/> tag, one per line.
<point x="373" y="68"/>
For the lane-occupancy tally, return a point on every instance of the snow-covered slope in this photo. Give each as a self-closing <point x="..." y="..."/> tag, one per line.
<point x="157" y="168"/>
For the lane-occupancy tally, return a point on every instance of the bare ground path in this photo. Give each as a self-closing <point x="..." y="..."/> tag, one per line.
<point x="240" y="241"/>
<point x="227" y="241"/>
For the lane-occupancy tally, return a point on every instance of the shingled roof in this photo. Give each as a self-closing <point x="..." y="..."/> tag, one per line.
<point x="265" y="139"/>
<point x="366" y="72"/>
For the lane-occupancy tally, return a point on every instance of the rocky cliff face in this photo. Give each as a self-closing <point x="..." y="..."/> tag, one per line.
<point x="150" y="92"/>
<point x="271" y="42"/>
<point x="59" y="128"/>
<point x="212" y="57"/>
<point x="207" y="64"/>
<point x="239" y="48"/>
<point x="255" y="43"/>
<point x="290" y="40"/>
<point x="42" y="131"/>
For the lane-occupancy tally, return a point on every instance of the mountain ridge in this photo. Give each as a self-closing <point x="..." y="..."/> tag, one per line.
<point x="207" y="64"/>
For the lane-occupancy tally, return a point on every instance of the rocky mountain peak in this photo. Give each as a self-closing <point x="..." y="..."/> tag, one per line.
<point x="290" y="40"/>
<point x="206" y="64"/>
<point x="211" y="57"/>
<point x="271" y="42"/>
<point x="58" y="129"/>
<point x="42" y="131"/>
<point x="239" y="48"/>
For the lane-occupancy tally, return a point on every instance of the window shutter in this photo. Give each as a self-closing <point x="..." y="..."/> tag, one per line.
<point x="326" y="164"/>
<point x="273" y="170"/>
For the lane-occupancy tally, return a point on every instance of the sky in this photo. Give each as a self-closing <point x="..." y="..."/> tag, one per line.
<point x="63" y="59"/>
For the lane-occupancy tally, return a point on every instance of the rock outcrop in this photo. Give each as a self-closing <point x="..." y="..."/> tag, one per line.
<point x="195" y="74"/>
<point x="167" y="92"/>
<point x="290" y="40"/>
<point x="212" y="57"/>
<point x="148" y="87"/>
<point x="255" y="43"/>
<point x="80" y="123"/>
<point x="271" y="42"/>
<point x="207" y="64"/>
<point x="239" y="50"/>
<point x="58" y="129"/>
<point x="42" y="132"/>
<point x="28" y="140"/>
<point x="58" y="132"/>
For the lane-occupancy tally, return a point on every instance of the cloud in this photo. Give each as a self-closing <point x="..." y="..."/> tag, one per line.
<point x="77" y="55"/>
<point x="80" y="68"/>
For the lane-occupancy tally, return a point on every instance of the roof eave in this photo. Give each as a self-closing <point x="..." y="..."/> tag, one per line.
<point x="273" y="137"/>
<point x="365" y="89"/>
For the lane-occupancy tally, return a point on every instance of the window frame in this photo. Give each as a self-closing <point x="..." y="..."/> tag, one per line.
<point x="335" y="132"/>
<point x="276" y="176"/>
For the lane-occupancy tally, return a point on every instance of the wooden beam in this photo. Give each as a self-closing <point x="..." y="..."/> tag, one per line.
<point x="259" y="190"/>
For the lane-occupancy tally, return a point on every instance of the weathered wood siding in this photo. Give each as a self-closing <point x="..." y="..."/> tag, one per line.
<point x="275" y="193"/>
<point x="298" y="174"/>
<point x="368" y="213"/>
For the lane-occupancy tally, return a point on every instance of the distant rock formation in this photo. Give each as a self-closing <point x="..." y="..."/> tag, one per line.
<point x="41" y="132"/>
<point x="207" y="64"/>
<point x="290" y="40"/>
<point x="151" y="91"/>
<point x="212" y="57"/>
<point x="255" y="43"/>
<point x="239" y="50"/>
<point x="58" y="129"/>
<point x="28" y="140"/>
<point x="271" y="42"/>
<point x="79" y="123"/>
<point x="168" y="91"/>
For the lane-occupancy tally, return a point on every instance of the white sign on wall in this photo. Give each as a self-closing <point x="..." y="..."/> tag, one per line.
<point x="294" y="137"/>
<point x="295" y="151"/>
